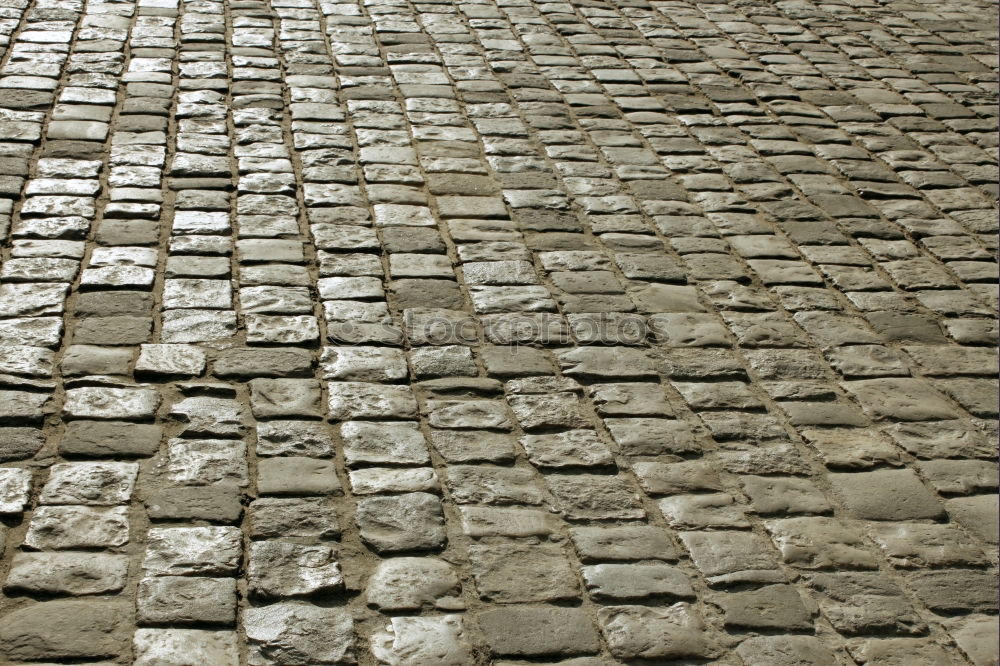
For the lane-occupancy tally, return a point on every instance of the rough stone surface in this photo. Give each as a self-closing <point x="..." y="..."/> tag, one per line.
<point x="297" y="633"/>
<point x="497" y="333"/>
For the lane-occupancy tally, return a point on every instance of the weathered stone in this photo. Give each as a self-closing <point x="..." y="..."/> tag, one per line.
<point x="358" y="400"/>
<point x="272" y="517"/>
<point x="296" y="475"/>
<point x="175" y="647"/>
<point x="201" y="462"/>
<point x="490" y="521"/>
<point x="367" y="442"/>
<point x="636" y="581"/>
<point x="67" y="573"/>
<point x="111" y="403"/>
<point x="19" y="443"/>
<point x="293" y="633"/>
<point x="704" y="510"/>
<point x="864" y="603"/>
<point x="766" y="608"/>
<point x="571" y="448"/>
<point x="110" y="438"/>
<point x="886" y="495"/>
<point x="186" y="600"/>
<point x="530" y="631"/>
<point x="514" y="573"/>
<point x="819" y="543"/>
<point x="181" y="551"/>
<point x="411" y="521"/>
<point x="493" y="485"/>
<point x="62" y="527"/>
<point x="640" y="542"/>
<point x="785" y="651"/>
<point x="405" y="583"/>
<point x="15" y="486"/>
<point x="282" y="569"/>
<point x="294" y="438"/>
<point x="591" y="496"/>
<point x="215" y="503"/>
<point x="641" y="632"/>
<point x="976" y="635"/>
<point x="727" y="557"/>
<point x="899" y="651"/>
<point x="978" y="514"/>
<point x="955" y="590"/>
<point x="412" y="641"/>
<point x="97" y="483"/>
<point x="67" y="630"/>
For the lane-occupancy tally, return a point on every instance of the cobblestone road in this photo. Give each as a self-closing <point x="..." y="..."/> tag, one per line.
<point x="498" y="332"/>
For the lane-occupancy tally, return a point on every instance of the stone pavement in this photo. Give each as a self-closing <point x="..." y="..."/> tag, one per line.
<point x="455" y="333"/>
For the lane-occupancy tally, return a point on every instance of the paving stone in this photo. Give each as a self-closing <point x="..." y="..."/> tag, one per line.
<point x="490" y="521"/>
<point x="865" y="603"/>
<point x="183" y="600"/>
<point x="568" y="449"/>
<point x="293" y="632"/>
<point x="206" y="461"/>
<point x="272" y="517"/>
<point x="650" y="436"/>
<point x="515" y="573"/>
<point x="954" y="590"/>
<point x="886" y="495"/>
<point x="71" y="629"/>
<point x="481" y="484"/>
<point x="67" y="527"/>
<point x="901" y="399"/>
<point x="170" y="360"/>
<point x="15" y="486"/>
<point x="192" y="551"/>
<point x="73" y="574"/>
<point x="591" y="496"/>
<point x="296" y="475"/>
<point x="531" y="631"/>
<point x="784" y="495"/>
<point x="976" y="636"/>
<point x="671" y="632"/>
<point x="359" y="400"/>
<point x="411" y="521"/>
<point x="110" y="439"/>
<point x="767" y="608"/>
<point x="704" y="510"/>
<point x="820" y="543"/>
<point x="281" y="569"/>
<point x="782" y="650"/>
<point x="280" y="437"/>
<point x="111" y="403"/>
<point x="405" y="583"/>
<point x="369" y="442"/>
<point x="636" y="581"/>
<point x="415" y="640"/>
<point x="976" y="514"/>
<point x="727" y="557"/>
<point x="175" y="646"/>
<point x="468" y="446"/>
<point x="277" y="398"/>
<point x="891" y="651"/>
<point x="90" y="483"/>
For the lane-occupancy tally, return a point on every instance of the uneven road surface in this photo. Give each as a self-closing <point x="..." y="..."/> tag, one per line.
<point x="498" y="332"/>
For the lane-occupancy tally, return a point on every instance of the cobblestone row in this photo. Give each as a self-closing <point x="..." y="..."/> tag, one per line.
<point x="498" y="332"/>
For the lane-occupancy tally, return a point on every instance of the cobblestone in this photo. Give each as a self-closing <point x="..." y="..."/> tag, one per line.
<point x="498" y="332"/>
